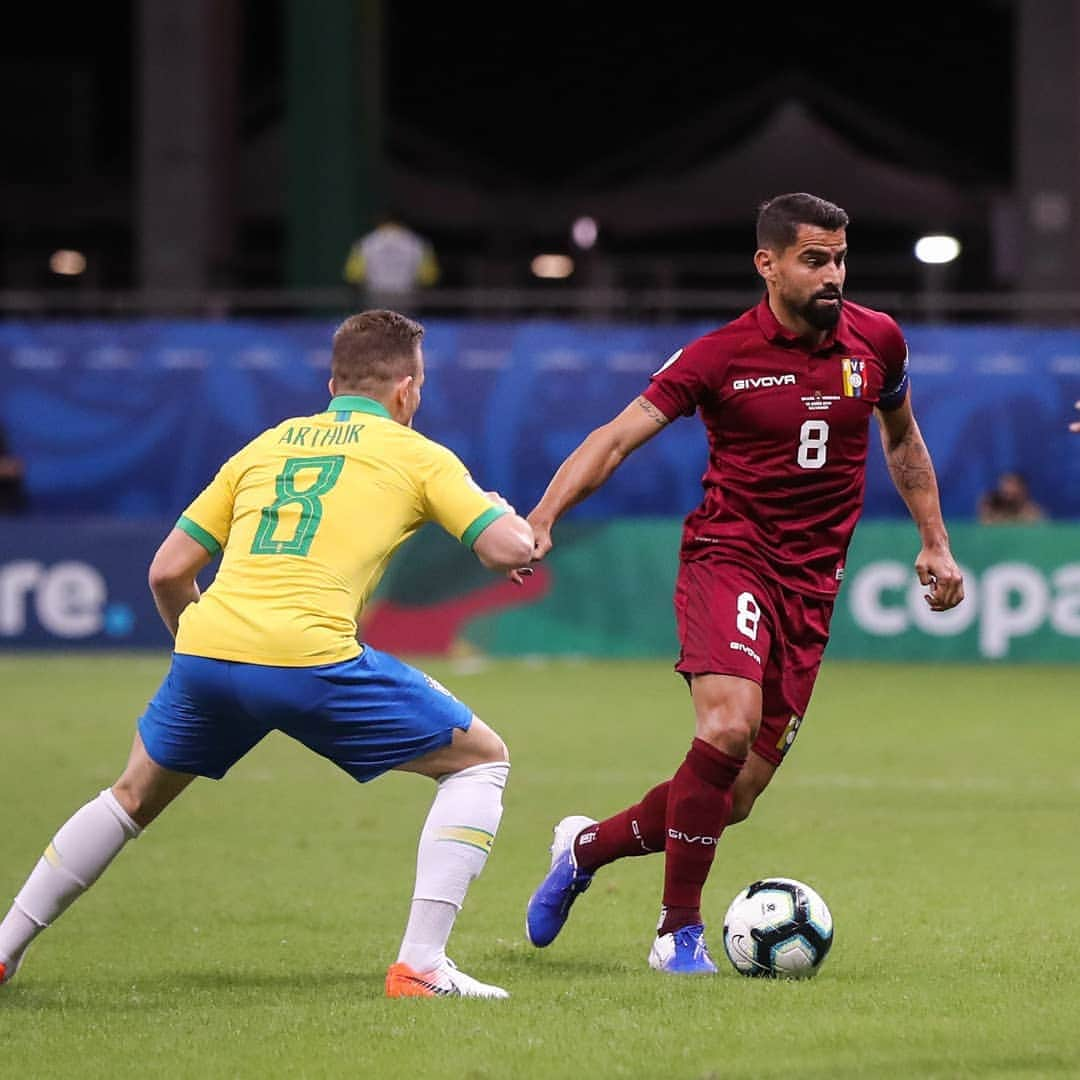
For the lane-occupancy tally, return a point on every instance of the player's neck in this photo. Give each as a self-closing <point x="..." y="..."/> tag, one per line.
<point x="397" y="409"/>
<point x="808" y="336"/>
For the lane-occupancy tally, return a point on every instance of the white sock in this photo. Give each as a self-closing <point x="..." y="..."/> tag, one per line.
<point x="78" y="855"/>
<point x="454" y="846"/>
<point x="16" y="931"/>
<point x="424" y="945"/>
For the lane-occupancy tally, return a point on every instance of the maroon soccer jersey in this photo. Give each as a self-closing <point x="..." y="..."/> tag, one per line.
<point x="788" y="430"/>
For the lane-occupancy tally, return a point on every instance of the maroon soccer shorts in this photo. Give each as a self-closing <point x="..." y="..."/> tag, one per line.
<point x="732" y="621"/>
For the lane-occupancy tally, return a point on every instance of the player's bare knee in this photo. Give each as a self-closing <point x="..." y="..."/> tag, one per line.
<point x="732" y="733"/>
<point x="477" y="746"/>
<point x="489" y="746"/>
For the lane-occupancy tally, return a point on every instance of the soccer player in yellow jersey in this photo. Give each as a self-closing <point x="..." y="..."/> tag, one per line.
<point x="306" y="517"/>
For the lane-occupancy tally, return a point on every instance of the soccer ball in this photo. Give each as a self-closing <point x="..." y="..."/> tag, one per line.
<point x="778" y="928"/>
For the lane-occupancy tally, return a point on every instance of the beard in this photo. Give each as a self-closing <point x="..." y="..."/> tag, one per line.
<point x="822" y="316"/>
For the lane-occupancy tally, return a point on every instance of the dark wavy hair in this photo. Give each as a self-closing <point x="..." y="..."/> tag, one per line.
<point x="778" y="219"/>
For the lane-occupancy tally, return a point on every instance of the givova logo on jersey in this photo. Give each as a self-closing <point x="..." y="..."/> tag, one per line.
<point x="763" y="382"/>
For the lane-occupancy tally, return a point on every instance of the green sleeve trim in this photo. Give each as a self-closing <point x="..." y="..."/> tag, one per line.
<point x="197" y="532"/>
<point x="470" y="535"/>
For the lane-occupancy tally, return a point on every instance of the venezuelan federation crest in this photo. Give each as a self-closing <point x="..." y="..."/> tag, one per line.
<point x="854" y="377"/>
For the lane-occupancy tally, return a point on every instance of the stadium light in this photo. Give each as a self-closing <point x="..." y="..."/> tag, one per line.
<point x="937" y="249"/>
<point x="67" y="263"/>
<point x="584" y="232"/>
<point x="552" y="266"/>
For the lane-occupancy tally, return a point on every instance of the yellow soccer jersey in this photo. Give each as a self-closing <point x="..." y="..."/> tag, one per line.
<point x="308" y="515"/>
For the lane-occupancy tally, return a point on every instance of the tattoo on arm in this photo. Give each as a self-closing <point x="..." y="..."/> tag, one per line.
<point x="657" y="416"/>
<point x="910" y="465"/>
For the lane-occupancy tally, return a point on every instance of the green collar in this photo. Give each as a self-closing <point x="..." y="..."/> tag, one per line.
<point x="355" y="403"/>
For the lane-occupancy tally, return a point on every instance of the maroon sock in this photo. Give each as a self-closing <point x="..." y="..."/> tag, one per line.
<point x="698" y="808"/>
<point x="637" y="830"/>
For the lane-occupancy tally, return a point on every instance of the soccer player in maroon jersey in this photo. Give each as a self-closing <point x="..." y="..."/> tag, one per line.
<point x="786" y="392"/>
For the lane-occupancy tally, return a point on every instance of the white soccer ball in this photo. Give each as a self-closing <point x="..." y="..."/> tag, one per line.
<point x="778" y="927"/>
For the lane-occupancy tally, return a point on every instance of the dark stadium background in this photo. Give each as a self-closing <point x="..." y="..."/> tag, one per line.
<point x="553" y="97"/>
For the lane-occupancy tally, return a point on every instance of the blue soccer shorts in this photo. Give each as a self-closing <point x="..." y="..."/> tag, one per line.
<point x="367" y="715"/>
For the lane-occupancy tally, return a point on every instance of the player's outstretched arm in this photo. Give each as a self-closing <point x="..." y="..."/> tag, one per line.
<point x="172" y="576"/>
<point x="913" y="474"/>
<point x="1075" y="425"/>
<point x="590" y="465"/>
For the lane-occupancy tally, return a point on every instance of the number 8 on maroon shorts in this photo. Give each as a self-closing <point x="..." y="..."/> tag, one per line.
<point x="731" y="622"/>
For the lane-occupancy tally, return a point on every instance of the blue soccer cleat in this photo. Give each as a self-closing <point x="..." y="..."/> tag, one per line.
<point x="683" y="952"/>
<point x="550" y="905"/>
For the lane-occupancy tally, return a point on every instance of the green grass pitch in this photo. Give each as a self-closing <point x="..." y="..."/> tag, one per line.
<point x="248" y="931"/>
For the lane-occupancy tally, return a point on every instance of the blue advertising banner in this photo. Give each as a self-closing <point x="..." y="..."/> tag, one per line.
<point x="79" y="583"/>
<point x="134" y="418"/>
<point x="605" y="590"/>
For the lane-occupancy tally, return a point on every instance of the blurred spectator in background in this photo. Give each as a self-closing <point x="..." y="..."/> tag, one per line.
<point x="390" y="263"/>
<point x="13" y="498"/>
<point x="1010" y="501"/>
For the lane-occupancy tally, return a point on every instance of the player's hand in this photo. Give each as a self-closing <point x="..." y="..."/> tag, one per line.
<point x="542" y="542"/>
<point x="541" y="546"/>
<point x="937" y="569"/>
<point x="1075" y="425"/>
<point x="518" y="575"/>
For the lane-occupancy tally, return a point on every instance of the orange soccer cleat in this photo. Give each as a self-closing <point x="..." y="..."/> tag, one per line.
<point x="443" y="981"/>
